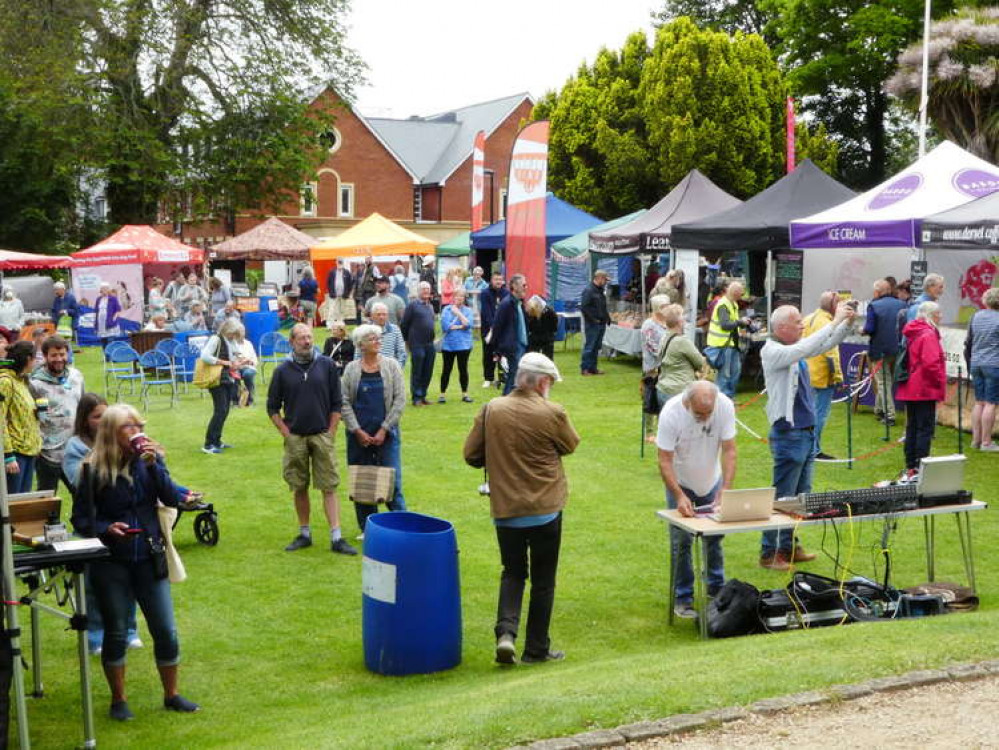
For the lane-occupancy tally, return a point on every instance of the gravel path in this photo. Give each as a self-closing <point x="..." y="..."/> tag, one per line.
<point x="946" y="715"/>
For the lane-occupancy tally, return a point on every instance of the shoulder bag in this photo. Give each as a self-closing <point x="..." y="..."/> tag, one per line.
<point x="372" y="484"/>
<point x="206" y="375"/>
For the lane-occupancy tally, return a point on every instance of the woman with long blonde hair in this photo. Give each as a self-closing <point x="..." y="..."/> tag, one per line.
<point x="121" y="482"/>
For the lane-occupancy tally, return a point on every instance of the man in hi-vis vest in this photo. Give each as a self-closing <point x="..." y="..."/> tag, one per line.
<point x="722" y="349"/>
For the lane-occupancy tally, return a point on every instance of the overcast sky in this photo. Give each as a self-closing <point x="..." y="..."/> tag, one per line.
<point x="428" y="56"/>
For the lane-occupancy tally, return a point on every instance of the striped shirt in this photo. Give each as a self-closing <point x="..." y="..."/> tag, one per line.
<point x="392" y="344"/>
<point x="984" y="333"/>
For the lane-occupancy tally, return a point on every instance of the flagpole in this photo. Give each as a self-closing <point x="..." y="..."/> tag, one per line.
<point x="924" y="94"/>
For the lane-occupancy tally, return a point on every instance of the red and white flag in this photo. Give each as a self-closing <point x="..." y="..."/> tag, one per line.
<point x="525" y="214"/>
<point x="478" y="179"/>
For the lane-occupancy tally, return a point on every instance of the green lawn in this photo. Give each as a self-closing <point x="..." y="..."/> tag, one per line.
<point x="271" y="641"/>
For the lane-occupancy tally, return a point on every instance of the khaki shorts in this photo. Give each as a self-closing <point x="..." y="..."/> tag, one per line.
<point x="318" y="449"/>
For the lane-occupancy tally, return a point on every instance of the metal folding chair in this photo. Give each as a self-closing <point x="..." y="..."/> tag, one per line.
<point x="185" y="357"/>
<point x="124" y="369"/>
<point x="157" y="372"/>
<point x="272" y="351"/>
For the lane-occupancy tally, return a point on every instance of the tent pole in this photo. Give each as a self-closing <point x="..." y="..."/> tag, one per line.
<point x="769" y="290"/>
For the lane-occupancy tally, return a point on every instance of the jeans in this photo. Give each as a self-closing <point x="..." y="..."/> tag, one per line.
<point x="534" y="548"/>
<point x="421" y="370"/>
<point x="512" y="364"/>
<point x="793" y="461"/>
<point x="119" y="586"/>
<point x="920" y="423"/>
<point x="823" y="405"/>
<point x="729" y="368"/>
<point x="21" y="482"/>
<point x="248" y="374"/>
<point x="683" y="583"/>
<point x="49" y="475"/>
<point x="222" y="397"/>
<point x="391" y="455"/>
<point x="449" y="359"/>
<point x="593" y="339"/>
<point x="95" y="623"/>
<point x="884" y="402"/>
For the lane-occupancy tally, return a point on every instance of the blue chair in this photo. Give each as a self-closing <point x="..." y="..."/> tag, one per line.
<point x="168" y="347"/>
<point x="109" y="368"/>
<point x="123" y="367"/>
<point x="273" y="350"/>
<point x="185" y="357"/>
<point x="157" y="372"/>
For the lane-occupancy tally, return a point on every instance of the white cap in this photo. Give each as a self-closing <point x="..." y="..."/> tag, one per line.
<point x="539" y="363"/>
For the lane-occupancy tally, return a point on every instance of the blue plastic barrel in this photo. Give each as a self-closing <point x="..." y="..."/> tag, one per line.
<point x="411" y="602"/>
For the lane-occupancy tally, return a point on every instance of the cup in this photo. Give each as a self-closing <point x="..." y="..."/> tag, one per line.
<point x="143" y="447"/>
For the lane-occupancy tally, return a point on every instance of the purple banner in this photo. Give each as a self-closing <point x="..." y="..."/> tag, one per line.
<point x="901" y="233"/>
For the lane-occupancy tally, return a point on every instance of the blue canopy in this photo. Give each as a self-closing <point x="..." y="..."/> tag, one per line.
<point x="561" y="220"/>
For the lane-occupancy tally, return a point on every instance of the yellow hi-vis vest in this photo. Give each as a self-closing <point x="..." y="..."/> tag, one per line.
<point x="718" y="337"/>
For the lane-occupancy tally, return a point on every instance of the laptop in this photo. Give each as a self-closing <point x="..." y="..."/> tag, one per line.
<point x="745" y="505"/>
<point x="941" y="476"/>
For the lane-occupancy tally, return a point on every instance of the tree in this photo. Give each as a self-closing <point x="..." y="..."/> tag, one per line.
<point x="730" y="16"/>
<point x="964" y="80"/>
<point x="174" y="97"/>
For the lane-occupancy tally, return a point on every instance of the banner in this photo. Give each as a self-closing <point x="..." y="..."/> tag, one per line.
<point x="967" y="275"/>
<point x="790" y="135"/>
<point x="478" y="179"/>
<point x="525" y="215"/>
<point x="125" y="281"/>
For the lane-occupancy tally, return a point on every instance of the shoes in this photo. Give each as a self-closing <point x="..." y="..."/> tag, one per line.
<point x="487" y="384"/>
<point x="226" y="446"/>
<point x="95" y="651"/>
<point x="685" y="610"/>
<point x="909" y="476"/>
<point x="441" y="400"/>
<point x="299" y="542"/>
<point x="989" y="448"/>
<point x="976" y="446"/>
<point x="890" y="421"/>
<point x="779" y="560"/>
<point x="506" y="651"/>
<point x="417" y="402"/>
<point x="468" y="399"/>
<point x="552" y="655"/>
<point x="597" y="372"/>
<point x="820" y="456"/>
<point x="424" y="402"/>
<point x="213" y="449"/>
<point x="136" y="643"/>
<point x="585" y="373"/>
<point x="342" y="547"/>
<point x="181" y="704"/>
<point x="120" y="711"/>
<point x="359" y="537"/>
<point x="800" y="554"/>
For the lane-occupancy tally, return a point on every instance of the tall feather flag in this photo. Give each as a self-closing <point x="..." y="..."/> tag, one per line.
<point x="525" y="215"/>
<point x="478" y="179"/>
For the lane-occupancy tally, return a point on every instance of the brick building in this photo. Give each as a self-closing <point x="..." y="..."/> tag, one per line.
<point x="415" y="171"/>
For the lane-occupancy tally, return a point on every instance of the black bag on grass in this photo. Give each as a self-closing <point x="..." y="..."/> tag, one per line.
<point x="733" y="611"/>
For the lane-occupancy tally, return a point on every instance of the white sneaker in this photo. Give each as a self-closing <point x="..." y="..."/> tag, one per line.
<point x="135" y="643"/>
<point x="487" y="384"/>
<point x="909" y="476"/>
<point x="359" y="537"/>
<point x="989" y="448"/>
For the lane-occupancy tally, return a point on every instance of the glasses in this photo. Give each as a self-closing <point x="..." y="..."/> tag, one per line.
<point x="133" y="425"/>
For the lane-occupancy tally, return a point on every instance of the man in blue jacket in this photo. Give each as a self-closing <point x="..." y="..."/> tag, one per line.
<point x="489" y="300"/>
<point x="418" y="330"/>
<point x="881" y="325"/>
<point x="509" y="331"/>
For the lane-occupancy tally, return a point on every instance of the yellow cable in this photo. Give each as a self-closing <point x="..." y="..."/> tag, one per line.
<point x="849" y="560"/>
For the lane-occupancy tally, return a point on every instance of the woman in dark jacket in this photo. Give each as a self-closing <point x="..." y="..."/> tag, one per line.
<point x="338" y="346"/>
<point x="924" y="388"/>
<point x="542" y="325"/>
<point x="120" y="484"/>
<point x="222" y="349"/>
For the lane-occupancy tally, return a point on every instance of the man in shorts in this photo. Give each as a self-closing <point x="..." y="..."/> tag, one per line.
<point x="304" y="402"/>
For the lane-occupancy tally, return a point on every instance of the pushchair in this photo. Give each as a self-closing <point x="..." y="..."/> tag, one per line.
<point x="206" y="522"/>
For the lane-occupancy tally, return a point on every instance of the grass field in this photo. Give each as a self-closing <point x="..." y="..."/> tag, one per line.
<point x="271" y="641"/>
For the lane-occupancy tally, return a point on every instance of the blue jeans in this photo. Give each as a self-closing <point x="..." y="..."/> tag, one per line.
<point x="118" y="587"/>
<point x="729" y="368"/>
<point x="95" y="624"/>
<point x="421" y="371"/>
<point x="793" y="461"/>
<point x="594" y="339"/>
<point x="22" y="481"/>
<point x="512" y="364"/>
<point x="683" y="583"/>
<point x="823" y="405"/>
<point x="391" y="456"/>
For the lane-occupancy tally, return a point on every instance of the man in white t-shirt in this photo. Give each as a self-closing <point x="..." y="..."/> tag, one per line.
<point x="694" y="428"/>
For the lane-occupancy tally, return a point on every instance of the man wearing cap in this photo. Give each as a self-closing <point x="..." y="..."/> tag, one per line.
<point x="520" y="440"/>
<point x="65" y="304"/>
<point x="393" y="302"/>
<point x="593" y="306"/>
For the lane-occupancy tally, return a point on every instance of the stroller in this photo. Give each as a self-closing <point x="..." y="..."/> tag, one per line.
<point x="206" y="522"/>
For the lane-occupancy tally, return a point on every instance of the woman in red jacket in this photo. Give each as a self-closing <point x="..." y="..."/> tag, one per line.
<point x="927" y="384"/>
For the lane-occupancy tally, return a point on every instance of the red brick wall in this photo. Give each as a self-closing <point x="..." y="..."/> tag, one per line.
<point x="431" y="210"/>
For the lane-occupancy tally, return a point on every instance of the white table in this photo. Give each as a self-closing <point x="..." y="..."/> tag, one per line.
<point x="701" y="527"/>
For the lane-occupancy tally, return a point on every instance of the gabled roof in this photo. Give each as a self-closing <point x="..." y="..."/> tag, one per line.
<point x="431" y="148"/>
<point x="272" y="240"/>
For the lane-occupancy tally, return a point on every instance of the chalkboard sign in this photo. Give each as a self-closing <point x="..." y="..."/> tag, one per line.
<point x="787" y="278"/>
<point x="917" y="274"/>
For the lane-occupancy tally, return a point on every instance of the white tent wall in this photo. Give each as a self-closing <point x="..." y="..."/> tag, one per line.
<point x="688" y="261"/>
<point x="853" y="270"/>
<point x="967" y="274"/>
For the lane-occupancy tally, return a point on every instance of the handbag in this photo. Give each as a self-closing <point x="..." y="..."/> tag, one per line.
<point x="175" y="566"/>
<point x="371" y="484"/>
<point x="206" y="375"/>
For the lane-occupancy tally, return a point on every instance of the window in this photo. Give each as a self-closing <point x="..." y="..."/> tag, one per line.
<point x="100" y="208"/>
<point x="347" y="200"/>
<point x="309" y="198"/>
<point x="502" y="207"/>
<point x="331" y="140"/>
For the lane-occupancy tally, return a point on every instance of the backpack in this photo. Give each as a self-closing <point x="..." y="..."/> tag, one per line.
<point x="733" y="611"/>
<point x="902" y="371"/>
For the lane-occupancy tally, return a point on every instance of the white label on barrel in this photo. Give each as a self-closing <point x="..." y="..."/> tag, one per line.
<point x="378" y="580"/>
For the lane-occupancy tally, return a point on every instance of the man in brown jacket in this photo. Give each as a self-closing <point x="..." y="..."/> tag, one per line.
<point x="521" y="439"/>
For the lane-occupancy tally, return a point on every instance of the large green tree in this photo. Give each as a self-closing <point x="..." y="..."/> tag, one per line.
<point x="964" y="80"/>
<point x="198" y="102"/>
<point x="749" y="16"/>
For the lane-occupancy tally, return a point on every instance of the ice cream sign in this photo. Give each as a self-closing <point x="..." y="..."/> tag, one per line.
<point x="896" y="191"/>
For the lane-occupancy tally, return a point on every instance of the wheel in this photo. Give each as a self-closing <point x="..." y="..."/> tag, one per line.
<point x="206" y="529"/>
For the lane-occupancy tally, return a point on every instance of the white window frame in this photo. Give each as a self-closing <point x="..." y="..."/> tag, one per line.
<point x="502" y="204"/>
<point x="312" y="187"/>
<point x="346" y="189"/>
<point x="339" y="140"/>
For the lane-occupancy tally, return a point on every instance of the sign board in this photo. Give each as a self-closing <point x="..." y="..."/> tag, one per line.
<point x="788" y="267"/>
<point x="917" y="274"/>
